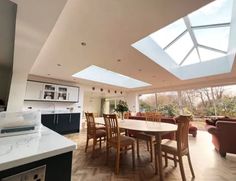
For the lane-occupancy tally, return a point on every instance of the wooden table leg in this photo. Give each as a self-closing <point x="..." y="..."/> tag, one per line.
<point x="159" y="156"/>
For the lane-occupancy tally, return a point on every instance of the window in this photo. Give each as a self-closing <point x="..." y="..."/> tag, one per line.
<point x="179" y="49"/>
<point x="99" y="74"/>
<point x="167" y="34"/>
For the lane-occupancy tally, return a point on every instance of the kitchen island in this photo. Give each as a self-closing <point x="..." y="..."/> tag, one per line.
<point x="47" y="149"/>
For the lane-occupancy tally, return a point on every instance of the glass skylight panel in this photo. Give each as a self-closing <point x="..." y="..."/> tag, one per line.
<point x="167" y="34"/>
<point x="207" y="55"/>
<point x="216" y="12"/>
<point x="192" y="58"/>
<point x="99" y="74"/>
<point x="217" y="38"/>
<point x="179" y="49"/>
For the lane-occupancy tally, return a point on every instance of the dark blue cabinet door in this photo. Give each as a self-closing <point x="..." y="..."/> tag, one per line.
<point x="63" y="121"/>
<point x="48" y="120"/>
<point x="75" y="122"/>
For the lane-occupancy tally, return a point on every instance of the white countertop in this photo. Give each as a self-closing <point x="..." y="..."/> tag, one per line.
<point x="22" y="149"/>
<point x="58" y="112"/>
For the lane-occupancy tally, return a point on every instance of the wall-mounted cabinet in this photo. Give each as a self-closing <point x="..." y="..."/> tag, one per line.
<point x="40" y="91"/>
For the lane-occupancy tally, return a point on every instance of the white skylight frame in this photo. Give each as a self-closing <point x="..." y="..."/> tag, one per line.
<point x="98" y="74"/>
<point x="169" y="37"/>
<point x="195" y="68"/>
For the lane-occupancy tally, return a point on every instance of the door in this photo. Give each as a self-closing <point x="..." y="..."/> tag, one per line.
<point x="48" y="120"/>
<point x="62" y="123"/>
<point x="73" y="94"/>
<point x="74" y="123"/>
<point x="33" y="90"/>
<point x="62" y="93"/>
<point x="49" y="92"/>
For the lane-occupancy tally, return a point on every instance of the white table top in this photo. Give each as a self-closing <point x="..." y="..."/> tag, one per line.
<point x="23" y="149"/>
<point x="140" y="125"/>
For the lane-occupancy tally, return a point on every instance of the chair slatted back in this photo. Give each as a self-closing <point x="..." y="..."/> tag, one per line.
<point x="91" y="126"/>
<point x="112" y="127"/>
<point x="182" y="132"/>
<point x="152" y="116"/>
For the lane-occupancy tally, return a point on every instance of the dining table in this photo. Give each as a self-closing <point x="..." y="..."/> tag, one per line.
<point x="155" y="128"/>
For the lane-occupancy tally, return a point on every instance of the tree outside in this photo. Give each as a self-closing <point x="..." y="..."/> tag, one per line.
<point x="215" y="101"/>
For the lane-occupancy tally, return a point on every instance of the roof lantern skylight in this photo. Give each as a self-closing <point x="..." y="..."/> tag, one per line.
<point x="198" y="37"/>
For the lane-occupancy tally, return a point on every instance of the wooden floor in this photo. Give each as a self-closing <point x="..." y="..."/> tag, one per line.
<point x="207" y="164"/>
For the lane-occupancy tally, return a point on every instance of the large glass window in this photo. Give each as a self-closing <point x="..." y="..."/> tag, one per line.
<point x="208" y="27"/>
<point x="147" y="102"/>
<point x="217" y="38"/>
<point x="215" y="101"/>
<point x="217" y="12"/>
<point x="167" y="34"/>
<point x="167" y="103"/>
<point x="183" y="45"/>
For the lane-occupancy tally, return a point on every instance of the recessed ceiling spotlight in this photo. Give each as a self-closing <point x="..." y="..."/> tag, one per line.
<point x="139" y="70"/>
<point x="83" y="43"/>
<point x="49" y="74"/>
<point x="118" y="60"/>
<point x="59" y="65"/>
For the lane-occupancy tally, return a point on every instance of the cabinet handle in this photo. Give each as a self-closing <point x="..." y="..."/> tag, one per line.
<point x="57" y="119"/>
<point x="54" y="118"/>
<point x="70" y="119"/>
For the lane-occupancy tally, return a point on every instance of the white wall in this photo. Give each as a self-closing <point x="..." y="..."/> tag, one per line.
<point x="17" y="92"/>
<point x="92" y="104"/>
<point x="31" y="32"/>
<point x="5" y="79"/>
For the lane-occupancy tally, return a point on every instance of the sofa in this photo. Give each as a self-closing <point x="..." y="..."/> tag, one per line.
<point x="223" y="131"/>
<point x="212" y="121"/>
<point x="223" y="136"/>
<point x="141" y="116"/>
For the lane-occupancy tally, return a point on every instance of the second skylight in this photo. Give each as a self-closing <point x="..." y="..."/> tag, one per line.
<point x="98" y="74"/>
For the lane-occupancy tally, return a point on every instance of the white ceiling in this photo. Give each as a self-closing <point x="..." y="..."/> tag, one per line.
<point x="109" y="27"/>
<point x="34" y="22"/>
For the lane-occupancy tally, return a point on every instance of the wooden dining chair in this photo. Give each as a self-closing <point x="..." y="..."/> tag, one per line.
<point x="179" y="147"/>
<point x="115" y="139"/>
<point x="150" y="139"/>
<point x="97" y="134"/>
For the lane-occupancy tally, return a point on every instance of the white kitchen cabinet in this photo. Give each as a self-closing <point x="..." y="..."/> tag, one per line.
<point x="73" y="94"/>
<point x="33" y="90"/>
<point x="51" y="92"/>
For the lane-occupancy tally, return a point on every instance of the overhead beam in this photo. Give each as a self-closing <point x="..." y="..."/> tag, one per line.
<point x="211" y="26"/>
<point x="212" y="49"/>
<point x="189" y="28"/>
<point x="178" y="37"/>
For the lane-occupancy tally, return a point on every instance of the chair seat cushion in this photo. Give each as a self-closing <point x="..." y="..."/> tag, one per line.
<point x="100" y="127"/>
<point x="124" y="140"/>
<point x="100" y="133"/>
<point x="169" y="146"/>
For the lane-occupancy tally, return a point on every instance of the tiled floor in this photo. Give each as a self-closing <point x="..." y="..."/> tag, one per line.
<point x="208" y="165"/>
